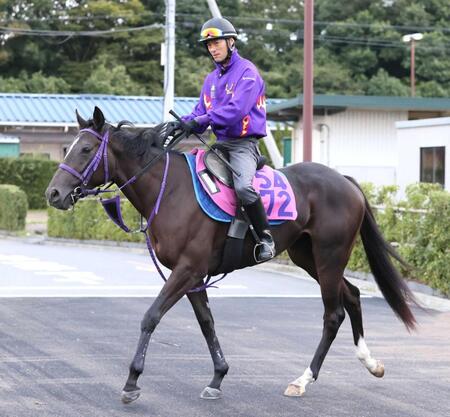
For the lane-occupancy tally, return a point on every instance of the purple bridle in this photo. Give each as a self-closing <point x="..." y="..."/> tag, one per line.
<point x="102" y="153"/>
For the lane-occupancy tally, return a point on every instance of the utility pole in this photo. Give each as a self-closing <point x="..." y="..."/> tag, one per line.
<point x="168" y="51"/>
<point x="308" y="79"/>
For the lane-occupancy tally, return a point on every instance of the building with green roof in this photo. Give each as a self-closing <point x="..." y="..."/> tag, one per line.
<point x="356" y="135"/>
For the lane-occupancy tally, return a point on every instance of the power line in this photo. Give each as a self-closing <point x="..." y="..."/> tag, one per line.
<point x="317" y="23"/>
<point x="74" y="33"/>
<point x="66" y="18"/>
<point x="379" y="43"/>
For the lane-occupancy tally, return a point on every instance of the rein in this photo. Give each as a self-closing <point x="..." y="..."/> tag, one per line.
<point x="112" y="205"/>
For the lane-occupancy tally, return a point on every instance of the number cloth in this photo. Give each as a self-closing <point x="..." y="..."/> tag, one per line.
<point x="273" y="186"/>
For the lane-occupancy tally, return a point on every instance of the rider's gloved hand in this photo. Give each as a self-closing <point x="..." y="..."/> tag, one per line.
<point x="190" y="126"/>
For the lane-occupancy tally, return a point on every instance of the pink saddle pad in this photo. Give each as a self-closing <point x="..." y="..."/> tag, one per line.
<point x="273" y="186"/>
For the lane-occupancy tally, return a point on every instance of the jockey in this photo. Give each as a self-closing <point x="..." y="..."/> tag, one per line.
<point x="232" y="102"/>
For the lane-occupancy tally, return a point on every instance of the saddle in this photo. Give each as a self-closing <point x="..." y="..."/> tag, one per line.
<point x="219" y="170"/>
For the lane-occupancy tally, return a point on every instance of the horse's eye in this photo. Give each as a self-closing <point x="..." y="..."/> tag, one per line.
<point x="86" y="149"/>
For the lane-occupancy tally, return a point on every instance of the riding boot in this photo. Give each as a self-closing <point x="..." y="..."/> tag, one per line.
<point x="258" y="218"/>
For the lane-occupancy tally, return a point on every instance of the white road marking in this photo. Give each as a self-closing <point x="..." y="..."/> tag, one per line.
<point x="66" y="273"/>
<point x="137" y="291"/>
<point x="142" y="266"/>
<point x="103" y="287"/>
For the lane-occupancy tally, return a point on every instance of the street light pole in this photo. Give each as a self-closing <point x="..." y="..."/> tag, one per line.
<point x="413" y="68"/>
<point x="412" y="38"/>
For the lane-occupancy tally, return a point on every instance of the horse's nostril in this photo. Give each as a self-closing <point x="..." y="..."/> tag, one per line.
<point x="54" y="194"/>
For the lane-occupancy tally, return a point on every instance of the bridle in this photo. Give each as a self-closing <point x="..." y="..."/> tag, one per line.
<point x="102" y="153"/>
<point x="88" y="172"/>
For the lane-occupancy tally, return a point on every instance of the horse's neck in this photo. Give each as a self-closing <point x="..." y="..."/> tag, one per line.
<point x="143" y="194"/>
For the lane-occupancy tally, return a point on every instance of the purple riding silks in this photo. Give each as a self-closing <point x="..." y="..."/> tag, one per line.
<point x="232" y="101"/>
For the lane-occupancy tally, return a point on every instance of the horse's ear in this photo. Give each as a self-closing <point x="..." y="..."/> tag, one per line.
<point x="81" y="122"/>
<point x="99" y="119"/>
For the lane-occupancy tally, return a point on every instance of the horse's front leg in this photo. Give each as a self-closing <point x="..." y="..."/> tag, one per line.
<point x="199" y="301"/>
<point x="181" y="280"/>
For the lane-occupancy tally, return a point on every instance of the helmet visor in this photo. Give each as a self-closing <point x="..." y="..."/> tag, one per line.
<point x="211" y="33"/>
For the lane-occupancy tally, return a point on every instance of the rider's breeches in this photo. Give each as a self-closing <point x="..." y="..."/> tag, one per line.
<point x="243" y="155"/>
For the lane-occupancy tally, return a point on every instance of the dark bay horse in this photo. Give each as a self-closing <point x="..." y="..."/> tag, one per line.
<point x="332" y="211"/>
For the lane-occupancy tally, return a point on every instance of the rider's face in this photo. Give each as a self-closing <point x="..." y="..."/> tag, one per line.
<point x="218" y="49"/>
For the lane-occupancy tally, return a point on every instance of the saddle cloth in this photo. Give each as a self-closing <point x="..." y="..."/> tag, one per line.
<point x="273" y="186"/>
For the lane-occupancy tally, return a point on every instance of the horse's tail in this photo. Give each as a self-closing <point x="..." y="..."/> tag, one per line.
<point x="393" y="287"/>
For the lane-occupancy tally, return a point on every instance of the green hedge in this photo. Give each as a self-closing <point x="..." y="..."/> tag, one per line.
<point x="13" y="207"/>
<point x="88" y="220"/>
<point x="418" y="226"/>
<point x="30" y="174"/>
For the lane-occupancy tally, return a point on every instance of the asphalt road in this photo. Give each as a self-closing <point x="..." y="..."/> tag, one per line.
<point x="68" y="356"/>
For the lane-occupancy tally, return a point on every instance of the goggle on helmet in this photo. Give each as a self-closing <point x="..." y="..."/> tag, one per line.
<point x="215" y="33"/>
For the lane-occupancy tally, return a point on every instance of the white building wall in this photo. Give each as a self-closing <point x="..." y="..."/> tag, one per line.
<point x="360" y="143"/>
<point x="416" y="134"/>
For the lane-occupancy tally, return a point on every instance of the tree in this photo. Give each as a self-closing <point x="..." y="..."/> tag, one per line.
<point x="358" y="45"/>
<point x="107" y="78"/>
<point x="36" y="83"/>
<point x="384" y="85"/>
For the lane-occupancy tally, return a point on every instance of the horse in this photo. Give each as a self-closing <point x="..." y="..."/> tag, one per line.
<point x="332" y="212"/>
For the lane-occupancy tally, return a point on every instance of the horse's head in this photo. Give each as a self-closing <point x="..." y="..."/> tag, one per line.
<point x="87" y="162"/>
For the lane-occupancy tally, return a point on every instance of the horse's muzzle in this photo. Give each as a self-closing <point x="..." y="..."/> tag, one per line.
<point x="59" y="201"/>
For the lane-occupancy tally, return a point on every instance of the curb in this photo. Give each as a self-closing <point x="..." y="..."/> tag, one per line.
<point x="425" y="295"/>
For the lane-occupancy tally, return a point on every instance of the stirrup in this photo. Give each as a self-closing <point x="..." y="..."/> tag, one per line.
<point x="257" y="245"/>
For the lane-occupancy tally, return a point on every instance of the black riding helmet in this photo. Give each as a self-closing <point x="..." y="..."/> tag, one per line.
<point x="218" y="28"/>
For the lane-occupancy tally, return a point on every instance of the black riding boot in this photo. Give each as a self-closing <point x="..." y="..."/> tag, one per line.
<point x="258" y="217"/>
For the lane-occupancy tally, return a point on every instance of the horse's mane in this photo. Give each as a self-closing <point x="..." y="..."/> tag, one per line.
<point x="139" y="142"/>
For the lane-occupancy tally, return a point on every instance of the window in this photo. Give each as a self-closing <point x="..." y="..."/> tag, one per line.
<point x="432" y="165"/>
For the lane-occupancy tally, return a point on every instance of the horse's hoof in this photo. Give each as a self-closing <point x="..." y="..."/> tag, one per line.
<point x="130" y="396"/>
<point x="211" y="394"/>
<point x="294" y="390"/>
<point x="378" y="371"/>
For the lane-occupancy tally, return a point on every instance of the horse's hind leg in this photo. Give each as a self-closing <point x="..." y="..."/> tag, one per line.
<point x="199" y="301"/>
<point x="329" y="269"/>
<point x="352" y="304"/>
